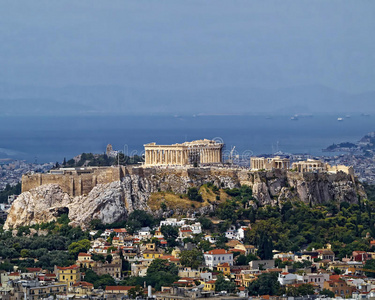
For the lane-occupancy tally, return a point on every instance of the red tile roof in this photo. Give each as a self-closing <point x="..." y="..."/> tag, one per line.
<point x="120" y="230"/>
<point x="217" y="251"/>
<point x="72" y="267"/>
<point x="31" y="270"/>
<point x="223" y="265"/>
<point x="84" y="254"/>
<point x="334" y="277"/>
<point x="119" y="288"/>
<point x="83" y="283"/>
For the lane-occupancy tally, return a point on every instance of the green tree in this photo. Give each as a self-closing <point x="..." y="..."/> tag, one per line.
<point x="99" y="281"/>
<point x="109" y="258"/>
<point x="136" y="292"/>
<point x="327" y="293"/>
<point x="370" y="265"/>
<point x="205" y="245"/>
<point x="160" y="273"/>
<point x="170" y="234"/>
<point x="138" y="219"/>
<point x="193" y="194"/>
<point x="25" y="253"/>
<point x="191" y="258"/>
<point x="265" y="247"/>
<point x="305" y="289"/>
<point x="77" y="247"/>
<point x="266" y="284"/>
<point x="206" y="223"/>
<point x="222" y="284"/>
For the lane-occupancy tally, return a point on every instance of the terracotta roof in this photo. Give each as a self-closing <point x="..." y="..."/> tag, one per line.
<point x="166" y="257"/>
<point x="217" y="251"/>
<point x="237" y="250"/>
<point x="31" y="270"/>
<point x="84" y="254"/>
<point x="211" y="281"/>
<point x="249" y="246"/>
<point x="14" y="274"/>
<point x="72" y="267"/>
<point x="223" y="265"/>
<point x="186" y="278"/>
<point x="119" y="288"/>
<point x="174" y="259"/>
<point x="233" y="243"/>
<point x="116" y="238"/>
<point x="334" y="277"/>
<point x="120" y="230"/>
<point x="274" y="270"/>
<point x="83" y="283"/>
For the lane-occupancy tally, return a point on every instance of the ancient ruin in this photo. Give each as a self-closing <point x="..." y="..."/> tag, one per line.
<point x="269" y="163"/>
<point x="188" y="153"/>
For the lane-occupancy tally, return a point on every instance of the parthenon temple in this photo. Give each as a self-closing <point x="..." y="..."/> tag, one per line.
<point x="188" y="153"/>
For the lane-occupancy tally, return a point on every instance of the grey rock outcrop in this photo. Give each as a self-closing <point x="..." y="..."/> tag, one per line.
<point x="114" y="201"/>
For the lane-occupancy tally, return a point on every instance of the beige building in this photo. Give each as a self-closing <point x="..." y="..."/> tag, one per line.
<point x="315" y="165"/>
<point x="188" y="153"/>
<point x="310" y="165"/>
<point x="269" y="163"/>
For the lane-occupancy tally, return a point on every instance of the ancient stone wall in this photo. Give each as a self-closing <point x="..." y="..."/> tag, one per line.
<point x="75" y="182"/>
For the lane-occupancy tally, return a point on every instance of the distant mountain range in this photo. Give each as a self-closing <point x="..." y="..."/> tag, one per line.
<point x="102" y="99"/>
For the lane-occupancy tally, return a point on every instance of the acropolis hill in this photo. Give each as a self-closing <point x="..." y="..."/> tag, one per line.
<point x="110" y="193"/>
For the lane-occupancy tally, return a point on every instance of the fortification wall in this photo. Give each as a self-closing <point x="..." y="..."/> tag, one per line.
<point x="74" y="182"/>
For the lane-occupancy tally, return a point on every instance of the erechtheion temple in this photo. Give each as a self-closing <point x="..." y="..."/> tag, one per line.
<point x="188" y="153"/>
<point x="309" y="165"/>
<point x="315" y="165"/>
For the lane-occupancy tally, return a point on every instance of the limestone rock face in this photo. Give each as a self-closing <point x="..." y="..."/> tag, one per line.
<point x="36" y="206"/>
<point x="113" y="201"/>
<point x="105" y="202"/>
<point x="47" y="202"/>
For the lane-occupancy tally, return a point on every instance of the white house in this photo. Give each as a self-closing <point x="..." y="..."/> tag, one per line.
<point x="231" y="233"/>
<point x="316" y="278"/>
<point x="241" y="232"/>
<point x="288" y="278"/>
<point x="210" y="238"/>
<point x="144" y="233"/>
<point x="218" y="256"/>
<point x="172" y="222"/>
<point x="283" y="256"/>
<point x="196" y="228"/>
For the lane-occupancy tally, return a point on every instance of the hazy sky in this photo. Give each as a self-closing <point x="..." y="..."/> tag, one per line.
<point x="189" y="44"/>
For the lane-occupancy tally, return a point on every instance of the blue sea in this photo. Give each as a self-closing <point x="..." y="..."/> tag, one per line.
<point x="45" y="139"/>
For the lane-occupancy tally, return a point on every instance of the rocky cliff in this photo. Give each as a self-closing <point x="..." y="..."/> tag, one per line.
<point x="112" y="202"/>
